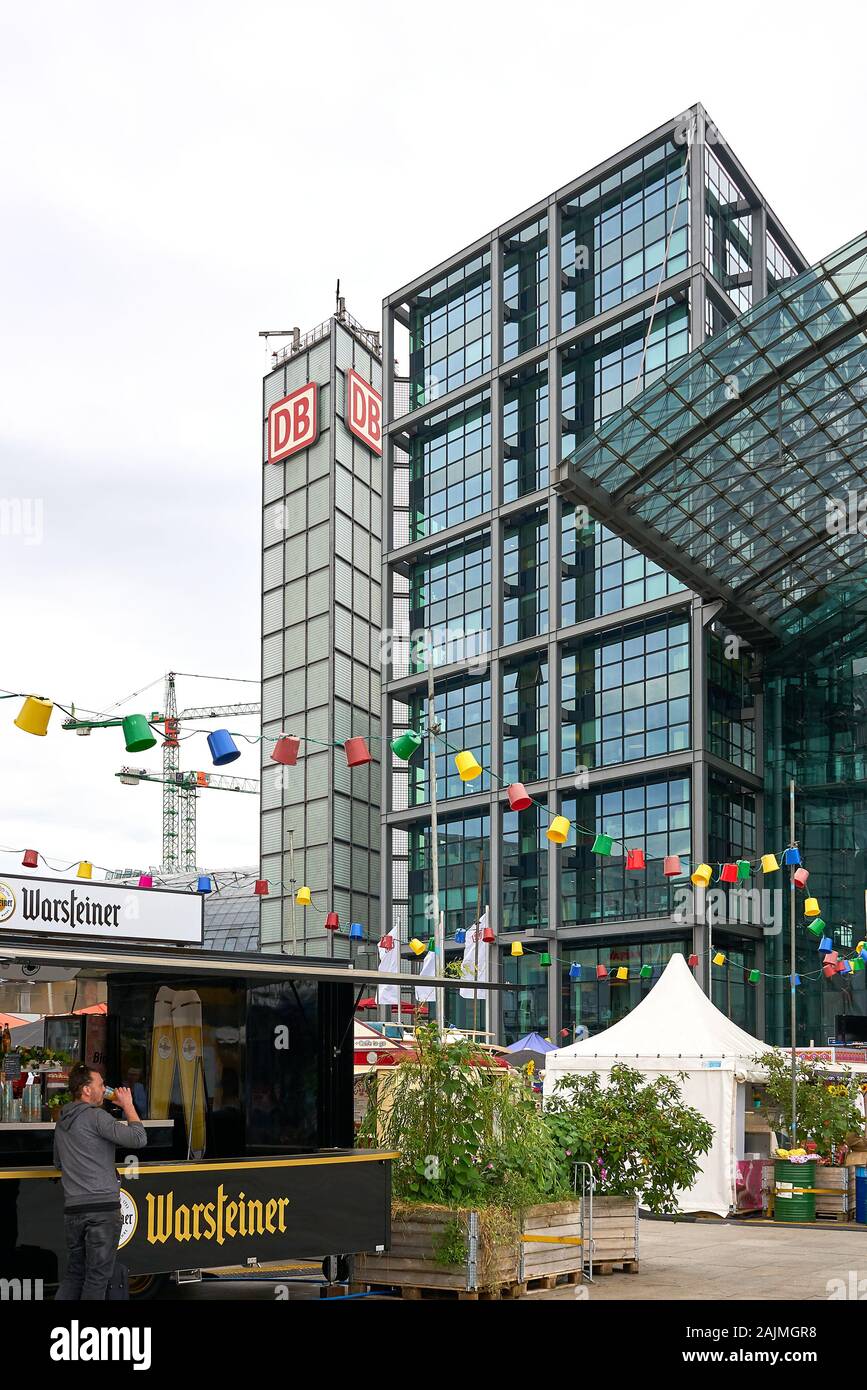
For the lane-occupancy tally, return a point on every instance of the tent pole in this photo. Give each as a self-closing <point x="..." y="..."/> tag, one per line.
<point x="794" y="997"/>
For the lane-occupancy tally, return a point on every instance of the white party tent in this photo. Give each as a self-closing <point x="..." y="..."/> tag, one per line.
<point x="677" y="1028"/>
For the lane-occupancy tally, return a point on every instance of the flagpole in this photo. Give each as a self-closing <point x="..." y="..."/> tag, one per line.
<point x="476" y="948"/>
<point x="433" y="729"/>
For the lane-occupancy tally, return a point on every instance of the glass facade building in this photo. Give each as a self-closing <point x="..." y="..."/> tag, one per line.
<point x="567" y="653"/>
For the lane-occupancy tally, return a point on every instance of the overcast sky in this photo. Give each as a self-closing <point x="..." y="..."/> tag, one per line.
<point x="175" y="178"/>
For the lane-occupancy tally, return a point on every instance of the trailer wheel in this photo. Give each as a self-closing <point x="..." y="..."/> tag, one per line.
<point x="143" y="1287"/>
<point x="335" y="1268"/>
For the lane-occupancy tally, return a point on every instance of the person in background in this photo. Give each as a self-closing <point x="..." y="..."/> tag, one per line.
<point x="85" y="1140"/>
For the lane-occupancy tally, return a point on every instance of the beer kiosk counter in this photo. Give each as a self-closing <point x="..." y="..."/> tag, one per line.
<point x="241" y="1067"/>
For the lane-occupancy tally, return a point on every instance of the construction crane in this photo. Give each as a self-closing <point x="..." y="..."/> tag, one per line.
<point x="179" y="793"/>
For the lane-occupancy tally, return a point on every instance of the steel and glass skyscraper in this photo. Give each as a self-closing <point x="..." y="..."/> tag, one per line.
<point x="564" y="658"/>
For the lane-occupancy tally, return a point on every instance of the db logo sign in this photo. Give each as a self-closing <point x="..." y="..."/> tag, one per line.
<point x="293" y="423"/>
<point x="364" y="411"/>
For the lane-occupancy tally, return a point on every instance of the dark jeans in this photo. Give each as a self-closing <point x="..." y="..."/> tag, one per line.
<point x="91" y="1247"/>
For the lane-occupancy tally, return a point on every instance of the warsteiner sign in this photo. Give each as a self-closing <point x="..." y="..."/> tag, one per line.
<point x="203" y="1215"/>
<point x="105" y="910"/>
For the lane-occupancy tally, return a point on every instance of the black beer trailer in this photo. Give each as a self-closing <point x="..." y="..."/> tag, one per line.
<point x="243" y="1068"/>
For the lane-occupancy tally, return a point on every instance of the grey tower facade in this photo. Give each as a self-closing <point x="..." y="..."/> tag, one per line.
<point x="321" y="620"/>
<point x="565" y="659"/>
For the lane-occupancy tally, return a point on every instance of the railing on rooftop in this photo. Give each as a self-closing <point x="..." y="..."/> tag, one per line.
<point x="370" y="338"/>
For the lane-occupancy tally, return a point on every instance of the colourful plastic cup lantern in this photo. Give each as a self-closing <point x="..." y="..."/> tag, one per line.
<point x="357" y="752"/>
<point x="460" y="936"/>
<point x="602" y="844"/>
<point x="622" y="972"/>
<point x="137" y="734"/>
<point x="645" y="972"/>
<point x="769" y="864"/>
<point x="302" y="897"/>
<point x="356" y="931"/>
<point x="223" y="748"/>
<point x="719" y="958"/>
<point x="468" y="766"/>
<point x="432" y="943"/>
<point x="692" y="962"/>
<point x="729" y="873"/>
<point x="635" y="859"/>
<point x="517" y="948"/>
<point x="812" y="908"/>
<point x="817" y="927"/>
<point x="755" y="976"/>
<point x="387" y="942"/>
<point x="828" y="971"/>
<point x="31" y="859"/>
<point x="286" y="750"/>
<point x="574" y="972"/>
<point x="488" y="936"/>
<point x="844" y="968"/>
<point x="792" y="856"/>
<point x="406" y="744"/>
<point x="794" y="980"/>
<point x="862" y="955"/>
<point x="204" y="884"/>
<point x="800" y="876"/>
<point x="519" y="799"/>
<point x="34" y="715"/>
<point x="745" y="868"/>
<point x="558" y="830"/>
<point x="826" y="944"/>
<point x="145" y="881"/>
<point x="85" y="869"/>
<point x="261" y="888"/>
<point x="417" y="947"/>
<point x="702" y="876"/>
<point x="602" y="972"/>
<point x="858" y="964"/>
<point x="332" y="921"/>
<point x="671" y="866"/>
<point x="832" y="957"/>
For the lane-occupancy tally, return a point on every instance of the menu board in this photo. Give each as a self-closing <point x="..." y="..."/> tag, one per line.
<point x="11" y="1065"/>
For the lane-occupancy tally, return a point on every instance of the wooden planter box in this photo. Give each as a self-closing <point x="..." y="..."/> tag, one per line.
<point x="839" y="1204"/>
<point x="614" y="1234"/>
<point x="504" y="1270"/>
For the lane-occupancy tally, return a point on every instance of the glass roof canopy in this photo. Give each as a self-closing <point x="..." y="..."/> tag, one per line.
<point x="724" y="470"/>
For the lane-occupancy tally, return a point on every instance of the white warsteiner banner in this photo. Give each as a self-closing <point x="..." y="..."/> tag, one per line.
<point x="110" y="911"/>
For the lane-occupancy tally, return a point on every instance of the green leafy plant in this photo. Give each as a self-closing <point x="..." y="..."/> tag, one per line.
<point x="637" y="1135"/>
<point x="469" y="1133"/>
<point x="450" y="1246"/>
<point x="826" y="1109"/>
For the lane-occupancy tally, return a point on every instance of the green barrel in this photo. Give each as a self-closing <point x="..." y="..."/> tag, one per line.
<point x="801" y="1207"/>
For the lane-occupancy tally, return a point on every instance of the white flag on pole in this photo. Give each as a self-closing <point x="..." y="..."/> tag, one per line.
<point x="389" y="964"/>
<point x="468" y="967"/>
<point x="425" y="993"/>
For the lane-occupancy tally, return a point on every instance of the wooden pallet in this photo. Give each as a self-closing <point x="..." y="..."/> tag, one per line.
<point x="610" y="1266"/>
<point x="560" y="1285"/>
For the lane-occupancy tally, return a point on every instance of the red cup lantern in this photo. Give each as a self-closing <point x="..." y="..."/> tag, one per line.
<point x="488" y="935"/>
<point x="800" y="876"/>
<point x="31" y="859"/>
<point x="693" y="961"/>
<point x="286" y="750"/>
<point x="357" y="752"/>
<point x="601" y="972"/>
<point x="261" y="886"/>
<point x="635" y="859"/>
<point x="518" y="798"/>
<point x="387" y="943"/>
<point x="729" y="873"/>
<point x="828" y="971"/>
<point x="671" y="866"/>
<point x="332" y="922"/>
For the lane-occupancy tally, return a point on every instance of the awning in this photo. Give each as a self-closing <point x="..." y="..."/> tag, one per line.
<point x="725" y="469"/>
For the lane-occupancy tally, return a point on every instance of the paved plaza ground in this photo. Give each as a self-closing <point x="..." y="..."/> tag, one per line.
<point x="682" y="1261"/>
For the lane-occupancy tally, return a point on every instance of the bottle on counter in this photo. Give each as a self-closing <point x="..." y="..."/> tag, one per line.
<point x="5" y="1038"/>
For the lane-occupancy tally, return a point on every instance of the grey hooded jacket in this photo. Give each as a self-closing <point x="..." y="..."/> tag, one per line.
<point x="84" y="1150"/>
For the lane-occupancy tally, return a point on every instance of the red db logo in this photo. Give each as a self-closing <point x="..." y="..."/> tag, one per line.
<point x="364" y="411"/>
<point x="293" y="423"/>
